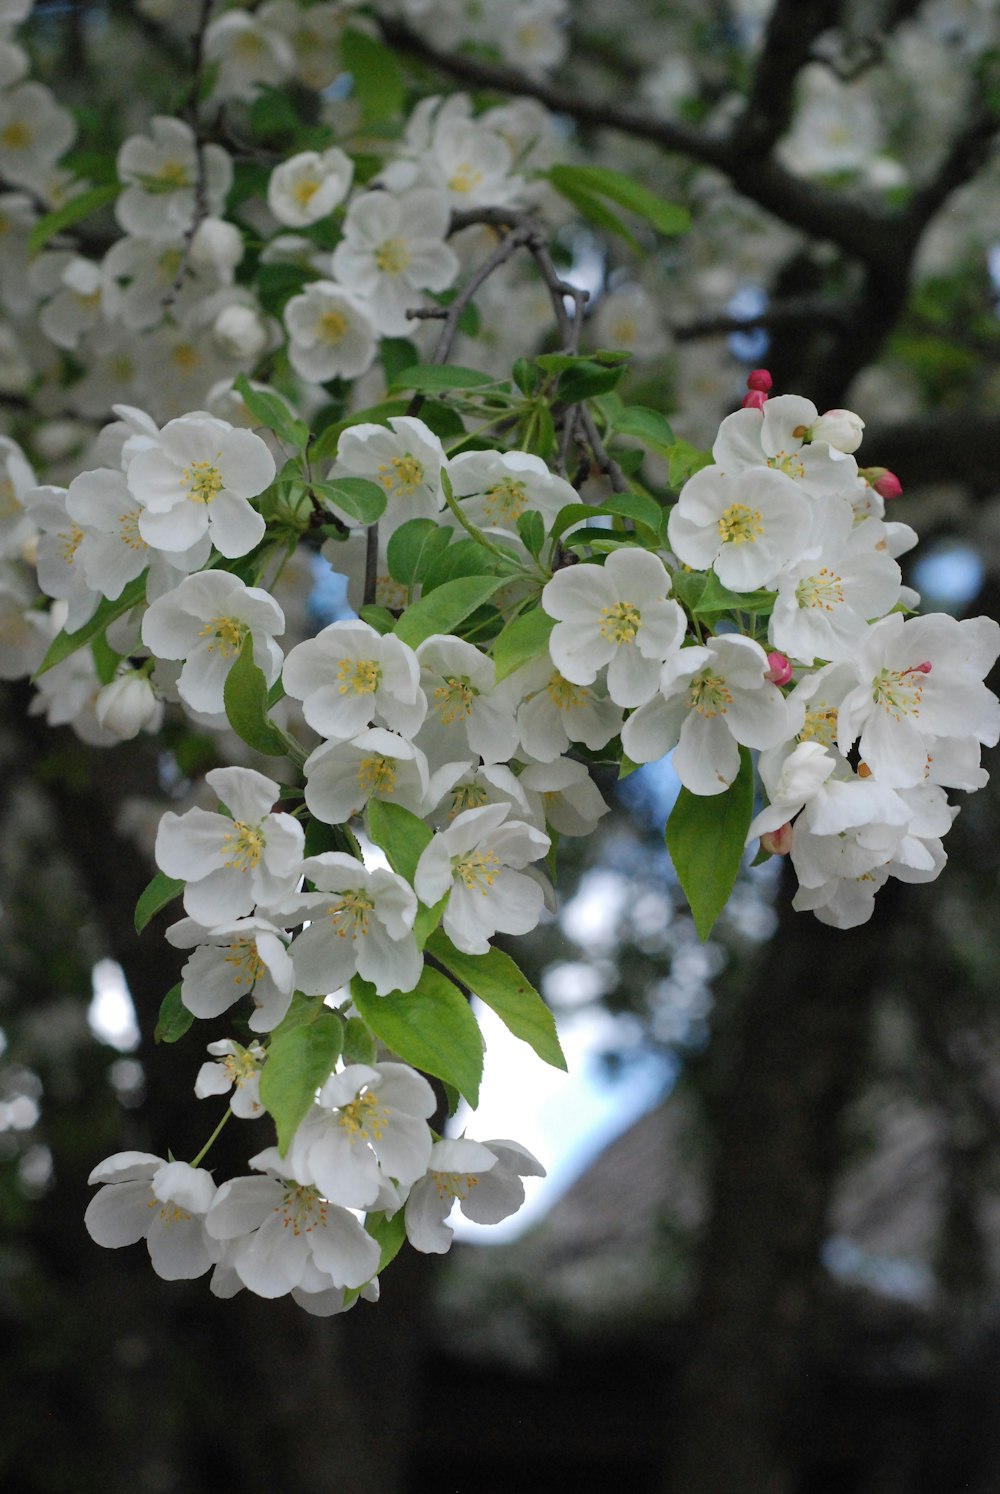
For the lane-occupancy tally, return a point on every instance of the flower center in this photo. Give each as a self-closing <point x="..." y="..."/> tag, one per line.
<point x="466" y="796"/>
<point x="621" y="622"/>
<point x="740" y="525"/>
<point x="790" y="465"/>
<point x="401" y="476"/>
<point x="244" y="845"/>
<point x="128" y="530"/>
<point x="464" y="178"/>
<point x="350" y="915"/>
<point x="227" y="634"/>
<point x="477" y="871"/>
<point x="204" y="481"/>
<point x="899" y="691"/>
<point x="454" y="1184"/>
<point x="564" y="696"/>
<point x="305" y="190"/>
<point x="709" y="695"/>
<point x="377" y="775"/>
<point x="824" y="590"/>
<point x="186" y="357"/>
<point x="820" y="726"/>
<point x="302" y="1209"/>
<point x="363" y="1119"/>
<point x="248" y="967"/>
<point x="453" y="700"/>
<point x="331" y="327"/>
<point x="506" y="499"/>
<point x="392" y="257"/>
<point x="70" y="543"/>
<point x="359" y="676"/>
<point x="17" y="135"/>
<point x="173" y="174"/>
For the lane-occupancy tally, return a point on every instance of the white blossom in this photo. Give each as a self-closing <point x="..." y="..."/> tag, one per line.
<point x="360" y="922"/>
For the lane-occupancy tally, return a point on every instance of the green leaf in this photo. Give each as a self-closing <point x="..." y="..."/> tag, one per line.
<point x="685" y="461"/>
<point x="64" y="644"/>
<point x="524" y="638"/>
<point x="526" y="376"/>
<point x="359" y="1045"/>
<point x="573" y="513"/>
<point x="501" y="986"/>
<point x="389" y="1235"/>
<point x="161" y="891"/>
<point x="432" y="378"/>
<point x="355" y="496"/>
<point x="718" y="598"/>
<point x="666" y="217"/>
<point x="379" y="618"/>
<point x="413" y="547"/>
<point x="396" y="354"/>
<point x="587" y="379"/>
<point x="245" y="696"/>
<point x="401" y="835"/>
<point x="466" y="557"/>
<point x="174" y="1019"/>
<point x="299" y="1060"/>
<point x="430" y="1027"/>
<point x="272" y="413"/>
<point x="74" y="211"/>
<point x="591" y="206"/>
<point x="559" y="362"/>
<point x="378" y="78"/>
<point x="705" y="836"/>
<point x="635" y="506"/>
<point x="531" y="528"/>
<point x="446" y="607"/>
<point x="647" y="426"/>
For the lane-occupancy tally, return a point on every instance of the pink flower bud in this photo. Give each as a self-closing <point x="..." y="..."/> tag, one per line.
<point x="924" y="668"/>
<point x="779" y="670"/>
<point x="888" y="485"/>
<point x="760" y="380"/>
<point x="755" y="400"/>
<point x="778" y="842"/>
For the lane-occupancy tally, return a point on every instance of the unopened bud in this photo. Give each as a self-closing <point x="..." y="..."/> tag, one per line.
<point x="760" y="379"/>
<point x="779" y="670"/>
<point x="756" y="399"/>
<point x="777" y="842"/>
<point x="128" y="706"/>
<point x="924" y="668"/>
<point x="240" y="333"/>
<point x="886" y="483"/>
<point x="841" y="429"/>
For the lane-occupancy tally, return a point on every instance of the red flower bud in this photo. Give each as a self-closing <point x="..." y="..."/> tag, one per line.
<point x="760" y="379"/>
<point x="779" y="670"/>
<point x="755" y="400"/>
<point x="778" y="842"/>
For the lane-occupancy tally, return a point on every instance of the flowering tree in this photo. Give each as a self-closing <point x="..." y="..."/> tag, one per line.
<point x="317" y="319"/>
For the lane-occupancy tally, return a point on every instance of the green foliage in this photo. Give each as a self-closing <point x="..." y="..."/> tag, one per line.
<point x="501" y="986"/>
<point x="648" y="426"/>
<point x="523" y="639"/>
<point x="685" y="461"/>
<point x="705" y="838"/>
<point x="403" y="836"/>
<point x="302" y="1053"/>
<point x="433" y="378"/>
<point x="83" y="205"/>
<point x="245" y="696"/>
<point x="64" y="644"/>
<point x="430" y="1027"/>
<point x="159" y="894"/>
<point x="272" y="413"/>
<point x="355" y="496"/>
<point x="376" y="74"/>
<point x="174" y="1019"/>
<point x="446" y="608"/>
<point x="413" y="548"/>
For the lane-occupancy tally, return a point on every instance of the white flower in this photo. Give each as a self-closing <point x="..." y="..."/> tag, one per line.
<point x="841" y="429"/>
<point x="245" y="958"/>
<point x="499" y="486"/>
<point x="198" y="479"/>
<point x="368" y="1127"/>
<point x="164" y="1203"/>
<point x="309" y="185"/>
<point x="360" y="921"/>
<point x="456" y="787"/>
<point x="112" y="551"/>
<point x="484" y="1178"/>
<point x="478" y="861"/>
<point x="232" y="862"/>
<point x="394" y="247"/>
<point x="405" y="461"/>
<point x="554" y="712"/>
<point x="331" y="333"/>
<point x="472" y="164"/>
<point x="58" y="561"/>
<point x="161" y="180"/>
<point x="745" y="527"/>
<point x="16" y="481"/>
<point x="617" y="614"/>
<point x="34" y="132"/>
<point x="205" y="621"/>
<point x="469" y="715"/>
<point x="246" y="54"/>
<point x="341" y="777"/>
<point x="919" y="679"/>
<point x="278" y="1230"/>
<point x="711" y="699"/>
<point x="238" y="1069"/>
<point x="128" y="705"/>
<point x="349" y="676"/>
<point x="571" y="800"/>
<point x="239" y="332"/>
<point x="628" y="317"/>
<point x="778" y="437"/>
